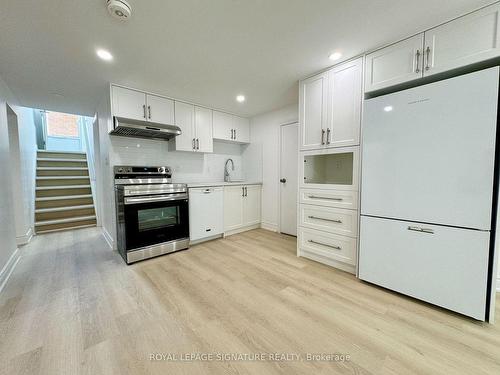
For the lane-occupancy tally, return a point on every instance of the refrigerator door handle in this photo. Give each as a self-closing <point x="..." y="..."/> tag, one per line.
<point x="420" y="229"/>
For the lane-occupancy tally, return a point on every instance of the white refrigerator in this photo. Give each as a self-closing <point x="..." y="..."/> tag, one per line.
<point x="427" y="192"/>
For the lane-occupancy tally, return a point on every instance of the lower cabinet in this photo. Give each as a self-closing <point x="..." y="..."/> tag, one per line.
<point x="241" y="207"/>
<point x="221" y="210"/>
<point x="206" y="212"/>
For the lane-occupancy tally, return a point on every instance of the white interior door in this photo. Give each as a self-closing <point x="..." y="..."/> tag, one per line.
<point x="288" y="179"/>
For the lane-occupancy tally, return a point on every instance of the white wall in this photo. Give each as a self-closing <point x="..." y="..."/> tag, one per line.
<point x="264" y="138"/>
<point x="24" y="191"/>
<point x="27" y="148"/>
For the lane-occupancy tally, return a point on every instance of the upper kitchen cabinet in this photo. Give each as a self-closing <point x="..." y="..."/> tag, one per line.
<point x="395" y="64"/>
<point x="203" y="126"/>
<point x="160" y="110"/>
<point x="196" y="126"/>
<point x="184" y="119"/>
<point x="128" y="103"/>
<point x="137" y="105"/>
<point x="313" y="112"/>
<point x="344" y="104"/>
<point x="241" y="129"/>
<point x="330" y="107"/>
<point x="231" y="128"/>
<point x="466" y="40"/>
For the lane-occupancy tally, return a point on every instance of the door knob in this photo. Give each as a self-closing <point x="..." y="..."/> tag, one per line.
<point x="283" y="180"/>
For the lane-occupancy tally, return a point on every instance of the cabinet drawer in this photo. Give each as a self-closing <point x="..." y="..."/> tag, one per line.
<point x="333" y="220"/>
<point x="330" y="198"/>
<point x="332" y="246"/>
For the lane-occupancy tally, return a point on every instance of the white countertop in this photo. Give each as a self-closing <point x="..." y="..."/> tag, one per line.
<point x="221" y="183"/>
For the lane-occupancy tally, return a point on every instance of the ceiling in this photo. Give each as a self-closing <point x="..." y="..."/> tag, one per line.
<point x="198" y="50"/>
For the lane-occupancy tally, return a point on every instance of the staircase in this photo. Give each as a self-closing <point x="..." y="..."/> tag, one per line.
<point x="63" y="197"/>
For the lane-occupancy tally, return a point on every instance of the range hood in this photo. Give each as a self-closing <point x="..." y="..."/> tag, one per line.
<point x="144" y="129"/>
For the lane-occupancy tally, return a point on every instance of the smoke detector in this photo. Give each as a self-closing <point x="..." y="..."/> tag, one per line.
<point x="119" y="9"/>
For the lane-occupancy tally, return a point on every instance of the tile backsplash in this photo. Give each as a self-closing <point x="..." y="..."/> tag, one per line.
<point x="187" y="166"/>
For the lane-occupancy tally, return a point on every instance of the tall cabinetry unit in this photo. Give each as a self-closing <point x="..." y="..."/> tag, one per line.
<point x="330" y="118"/>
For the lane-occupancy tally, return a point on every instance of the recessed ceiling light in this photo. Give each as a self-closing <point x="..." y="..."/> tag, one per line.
<point x="388" y="108"/>
<point x="240" y="98"/>
<point x="335" y="56"/>
<point x="105" y="55"/>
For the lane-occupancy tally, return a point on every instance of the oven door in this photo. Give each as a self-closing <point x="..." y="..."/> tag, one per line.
<point x="151" y="220"/>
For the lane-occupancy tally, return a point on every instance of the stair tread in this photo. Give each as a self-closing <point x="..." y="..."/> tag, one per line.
<point x="67" y="208"/>
<point x="66" y="228"/>
<point x="65" y="220"/>
<point x="62" y="168"/>
<point x="56" y="187"/>
<point x="62" y="197"/>
<point x="61" y="152"/>
<point x="62" y="159"/>
<point x="62" y="177"/>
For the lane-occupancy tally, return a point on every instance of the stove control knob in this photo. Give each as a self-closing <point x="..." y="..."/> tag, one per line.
<point x="161" y="169"/>
<point x="120" y="170"/>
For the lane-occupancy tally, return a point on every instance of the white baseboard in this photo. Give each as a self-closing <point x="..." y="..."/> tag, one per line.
<point x="241" y="230"/>
<point x="269" y="226"/>
<point x="108" y="238"/>
<point x="9" y="268"/>
<point x="25" y="239"/>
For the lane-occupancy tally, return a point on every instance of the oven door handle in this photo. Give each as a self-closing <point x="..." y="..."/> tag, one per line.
<point x="155" y="198"/>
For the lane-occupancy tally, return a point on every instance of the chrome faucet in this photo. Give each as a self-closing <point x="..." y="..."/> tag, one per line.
<point x="226" y="172"/>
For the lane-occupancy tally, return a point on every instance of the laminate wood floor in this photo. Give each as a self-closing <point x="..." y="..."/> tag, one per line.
<point x="72" y="306"/>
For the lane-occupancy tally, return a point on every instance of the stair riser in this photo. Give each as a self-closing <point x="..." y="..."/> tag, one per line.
<point x="64" y="214"/>
<point x="61" y="155"/>
<point x="63" y="226"/>
<point x="62" y="173"/>
<point x="68" y="191"/>
<point x="63" y="203"/>
<point x="63" y="182"/>
<point x="50" y="163"/>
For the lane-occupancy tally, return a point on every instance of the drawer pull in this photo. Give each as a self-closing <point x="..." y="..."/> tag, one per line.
<point x="321" y="218"/>
<point x="329" y="198"/>
<point x="420" y="229"/>
<point x="324" y="244"/>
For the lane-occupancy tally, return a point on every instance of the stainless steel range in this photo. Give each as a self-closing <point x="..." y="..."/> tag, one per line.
<point x="152" y="213"/>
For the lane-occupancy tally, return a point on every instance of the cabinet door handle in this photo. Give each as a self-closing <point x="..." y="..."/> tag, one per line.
<point x="232" y="137"/>
<point x="144" y="110"/>
<point x="417" y="57"/>
<point x="235" y="134"/>
<point x="322" y="218"/>
<point x="324" y="244"/>
<point x="420" y="229"/>
<point x="329" y="198"/>
<point x="206" y="191"/>
<point x="328" y="131"/>
<point x="149" y="111"/>
<point x="242" y="191"/>
<point x="193" y="145"/>
<point x="246" y="191"/>
<point x="322" y="136"/>
<point x="197" y="143"/>
<point x="427" y="58"/>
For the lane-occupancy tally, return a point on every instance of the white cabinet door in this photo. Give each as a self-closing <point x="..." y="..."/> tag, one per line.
<point x="184" y="118"/>
<point x="204" y="129"/>
<point x="233" y="207"/>
<point x="160" y="110"/>
<point x="466" y="40"/>
<point x="397" y="63"/>
<point x="313" y="111"/>
<point x="442" y="265"/>
<point x="206" y="212"/>
<point x="251" y="205"/>
<point x="241" y="129"/>
<point x="128" y="103"/>
<point x="223" y="126"/>
<point x="344" y="104"/>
